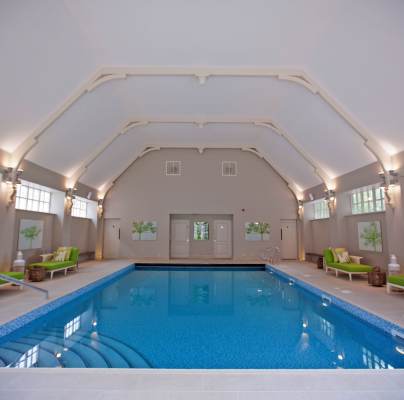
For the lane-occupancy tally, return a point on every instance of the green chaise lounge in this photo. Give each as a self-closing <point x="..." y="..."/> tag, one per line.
<point x="15" y="275"/>
<point x="55" y="266"/>
<point x="345" y="268"/>
<point x="396" y="281"/>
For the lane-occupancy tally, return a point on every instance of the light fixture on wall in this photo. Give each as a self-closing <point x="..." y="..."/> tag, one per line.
<point x="12" y="176"/>
<point x="69" y="197"/>
<point x="100" y="207"/>
<point x="388" y="181"/>
<point x="330" y="198"/>
<point x="300" y="206"/>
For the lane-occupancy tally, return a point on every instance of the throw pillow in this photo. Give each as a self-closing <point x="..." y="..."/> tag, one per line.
<point x="335" y="255"/>
<point x="47" y="257"/>
<point x="344" y="257"/>
<point x="59" y="256"/>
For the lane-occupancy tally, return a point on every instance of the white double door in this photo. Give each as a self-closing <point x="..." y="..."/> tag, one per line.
<point x="180" y="238"/>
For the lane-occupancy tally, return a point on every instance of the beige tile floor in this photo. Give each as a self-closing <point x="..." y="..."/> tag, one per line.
<point x="203" y="384"/>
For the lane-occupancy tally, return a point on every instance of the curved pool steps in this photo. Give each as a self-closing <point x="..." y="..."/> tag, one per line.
<point x="70" y="358"/>
<point x="114" y="358"/>
<point x="92" y="357"/>
<point x="133" y="358"/>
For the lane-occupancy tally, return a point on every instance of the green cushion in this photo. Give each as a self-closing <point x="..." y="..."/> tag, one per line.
<point x="51" y="265"/>
<point x="396" y="279"/>
<point x="15" y="275"/>
<point x="329" y="258"/>
<point x="351" y="267"/>
<point x="74" y="255"/>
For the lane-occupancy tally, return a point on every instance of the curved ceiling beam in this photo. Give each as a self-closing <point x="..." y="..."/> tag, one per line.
<point x="139" y="122"/>
<point x="318" y="170"/>
<point x="292" y="186"/>
<point x="106" y="74"/>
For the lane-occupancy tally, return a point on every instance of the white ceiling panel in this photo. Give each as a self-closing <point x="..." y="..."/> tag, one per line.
<point x="355" y="50"/>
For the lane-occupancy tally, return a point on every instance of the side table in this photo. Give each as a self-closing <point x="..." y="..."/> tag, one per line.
<point x="377" y="278"/>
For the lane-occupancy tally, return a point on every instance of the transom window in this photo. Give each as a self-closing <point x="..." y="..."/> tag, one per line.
<point x="32" y="197"/>
<point x="79" y="208"/>
<point x="321" y="210"/>
<point x="367" y="199"/>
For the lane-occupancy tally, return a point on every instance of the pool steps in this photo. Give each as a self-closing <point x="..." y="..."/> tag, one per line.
<point x="89" y="350"/>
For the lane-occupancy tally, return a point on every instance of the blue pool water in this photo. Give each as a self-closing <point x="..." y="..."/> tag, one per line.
<point x="200" y="318"/>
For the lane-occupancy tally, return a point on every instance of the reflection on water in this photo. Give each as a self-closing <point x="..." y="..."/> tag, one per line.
<point x="202" y="319"/>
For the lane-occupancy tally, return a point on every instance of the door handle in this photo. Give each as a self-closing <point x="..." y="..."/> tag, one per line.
<point x="281" y="234"/>
<point x="119" y="234"/>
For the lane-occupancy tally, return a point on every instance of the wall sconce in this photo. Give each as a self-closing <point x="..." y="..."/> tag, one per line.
<point x="300" y="206"/>
<point x="100" y="207"/>
<point x="69" y="197"/>
<point x="12" y="177"/>
<point x="330" y="198"/>
<point x="388" y="181"/>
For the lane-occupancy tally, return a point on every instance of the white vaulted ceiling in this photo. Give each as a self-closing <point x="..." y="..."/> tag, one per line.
<point x="354" y="51"/>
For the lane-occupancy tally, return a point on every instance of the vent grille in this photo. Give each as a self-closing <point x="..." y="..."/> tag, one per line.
<point x="229" y="168"/>
<point x="173" y="168"/>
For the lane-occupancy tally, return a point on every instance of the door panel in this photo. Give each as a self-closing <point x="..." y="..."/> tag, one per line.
<point x="288" y="240"/>
<point x="222" y="239"/>
<point x="179" y="238"/>
<point x="112" y="232"/>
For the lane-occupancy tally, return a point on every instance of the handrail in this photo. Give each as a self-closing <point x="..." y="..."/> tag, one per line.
<point x="22" y="283"/>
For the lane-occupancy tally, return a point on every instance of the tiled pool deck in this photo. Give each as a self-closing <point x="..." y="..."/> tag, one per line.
<point x="202" y="384"/>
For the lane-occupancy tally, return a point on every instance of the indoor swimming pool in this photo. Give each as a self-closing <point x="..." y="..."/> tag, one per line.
<point x="200" y="318"/>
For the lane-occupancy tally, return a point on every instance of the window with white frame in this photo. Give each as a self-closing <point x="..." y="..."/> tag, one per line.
<point x="32" y="197"/>
<point x="79" y="208"/>
<point x="320" y="209"/>
<point x="367" y="199"/>
<point x="229" y="168"/>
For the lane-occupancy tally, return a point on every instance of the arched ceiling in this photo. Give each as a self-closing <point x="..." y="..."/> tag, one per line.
<point x="353" y="51"/>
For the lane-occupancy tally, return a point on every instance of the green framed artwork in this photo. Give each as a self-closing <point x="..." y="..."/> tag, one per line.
<point x="370" y="236"/>
<point x="144" y="230"/>
<point x="201" y="230"/>
<point x="257" y="230"/>
<point x="30" y="234"/>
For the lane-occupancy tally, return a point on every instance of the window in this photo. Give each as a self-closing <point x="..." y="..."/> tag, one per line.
<point x="173" y="168"/>
<point x="229" y="168"/>
<point x="321" y="209"/>
<point x="201" y="230"/>
<point x="79" y="208"/>
<point x="367" y="199"/>
<point x="32" y="197"/>
<point x="72" y="326"/>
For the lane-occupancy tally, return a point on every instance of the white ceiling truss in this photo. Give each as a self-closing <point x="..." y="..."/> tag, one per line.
<point x="107" y="74"/>
<point x="296" y="191"/>
<point x="129" y="125"/>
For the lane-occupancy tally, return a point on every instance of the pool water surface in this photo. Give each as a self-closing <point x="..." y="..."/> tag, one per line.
<point x="201" y="318"/>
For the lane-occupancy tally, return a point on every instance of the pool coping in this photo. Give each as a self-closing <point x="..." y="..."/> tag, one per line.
<point x="368" y="317"/>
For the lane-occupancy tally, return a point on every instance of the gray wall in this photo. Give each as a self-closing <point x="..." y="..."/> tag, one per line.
<point x="59" y="229"/>
<point x="145" y="193"/>
<point x="342" y="227"/>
